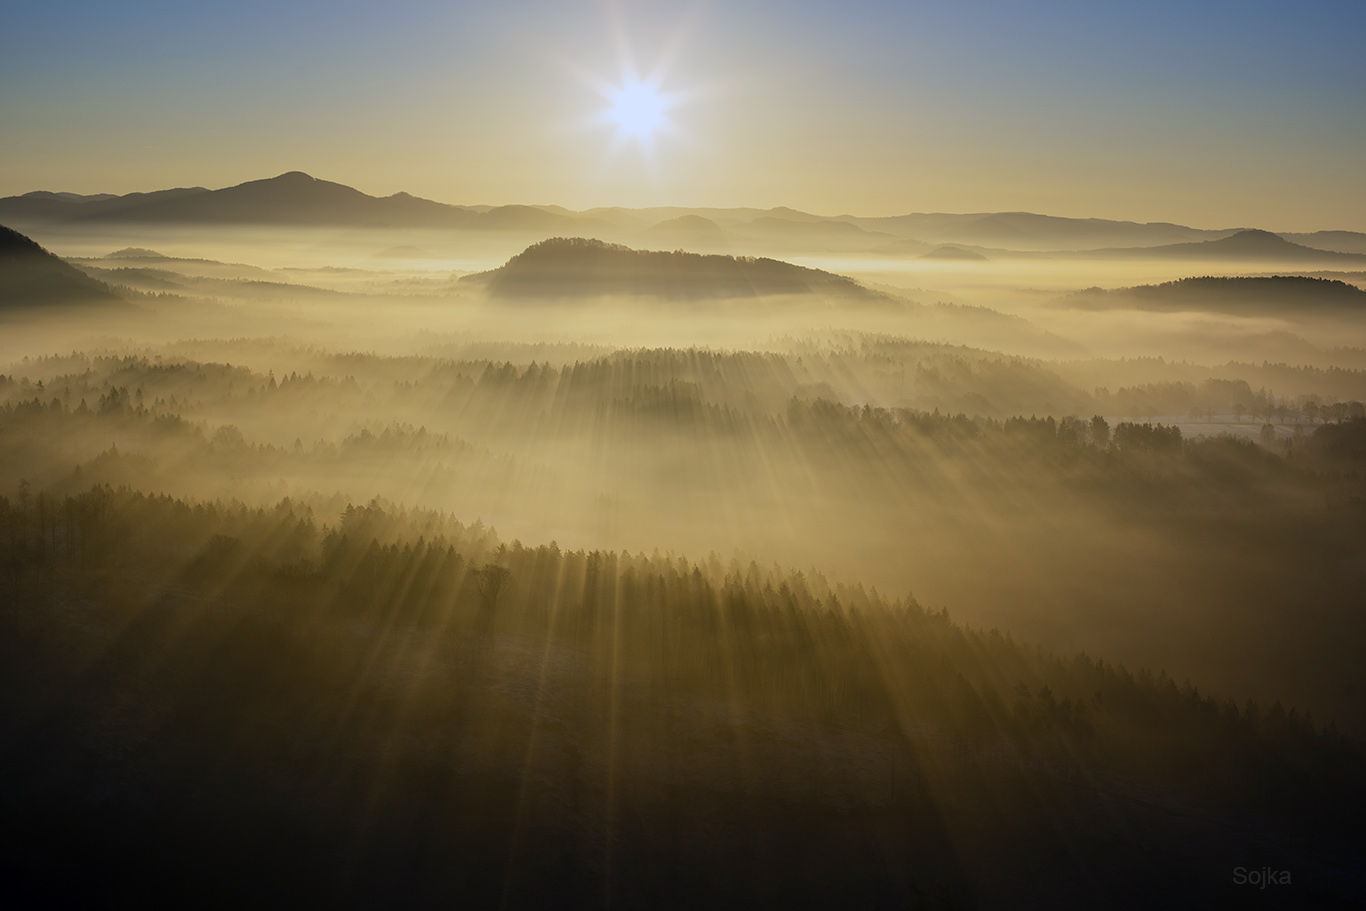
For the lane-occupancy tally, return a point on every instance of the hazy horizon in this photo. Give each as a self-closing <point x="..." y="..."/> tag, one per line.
<point x="716" y="207"/>
<point x="1244" y="116"/>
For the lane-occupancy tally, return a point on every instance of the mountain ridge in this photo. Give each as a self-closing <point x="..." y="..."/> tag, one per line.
<point x="299" y="199"/>
<point x="293" y="199"/>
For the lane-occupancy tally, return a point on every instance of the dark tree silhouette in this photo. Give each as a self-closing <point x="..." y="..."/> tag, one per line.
<point x="489" y="580"/>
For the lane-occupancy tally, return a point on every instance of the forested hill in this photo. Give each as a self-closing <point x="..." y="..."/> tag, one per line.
<point x="31" y="276"/>
<point x="176" y="679"/>
<point x="1277" y="293"/>
<point x="581" y="267"/>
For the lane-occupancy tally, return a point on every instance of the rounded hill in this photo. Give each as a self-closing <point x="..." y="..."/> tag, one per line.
<point x="582" y="267"/>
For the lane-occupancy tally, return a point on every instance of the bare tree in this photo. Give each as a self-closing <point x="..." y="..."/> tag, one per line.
<point x="490" y="581"/>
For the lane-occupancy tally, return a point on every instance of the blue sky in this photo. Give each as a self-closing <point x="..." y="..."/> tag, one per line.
<point x="1217" y="114"/>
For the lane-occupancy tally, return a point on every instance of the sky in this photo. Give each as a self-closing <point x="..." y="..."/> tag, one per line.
<point x="1212" y="114"/>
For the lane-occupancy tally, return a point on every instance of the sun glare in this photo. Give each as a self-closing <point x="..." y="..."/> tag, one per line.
<point x="634" y="106"/>
<point x="637" y="110"/>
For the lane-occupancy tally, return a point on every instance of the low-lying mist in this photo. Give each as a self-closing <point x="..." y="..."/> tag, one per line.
<point x="457" y="463"/>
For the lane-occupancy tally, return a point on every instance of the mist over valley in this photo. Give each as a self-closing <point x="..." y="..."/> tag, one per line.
<point x="380" y="551"/>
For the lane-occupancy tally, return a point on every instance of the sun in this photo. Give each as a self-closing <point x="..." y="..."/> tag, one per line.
<point x="637" y="107"/>
<point x="638" y="110"/>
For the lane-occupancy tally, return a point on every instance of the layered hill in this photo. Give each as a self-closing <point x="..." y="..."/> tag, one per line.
<point x="580" y="267"/>
<point x="42" y="207"/>
<point x="1337" y="241"/>
<point x="687" y="231"/>
<point x="950" y="252"/>
<point x="1251" y="245"/>
<point x="294" y="198"/>
<point x="31" y="276"/>
<point x="1280" y="294"/>
<point x="1029" y="231"/>
<point x="297" y="199"/>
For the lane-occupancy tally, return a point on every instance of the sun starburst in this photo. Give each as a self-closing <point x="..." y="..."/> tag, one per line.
<point x="638" y="112"/>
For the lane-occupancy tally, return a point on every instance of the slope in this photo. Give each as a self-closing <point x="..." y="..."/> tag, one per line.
<point x="31" y="276"/>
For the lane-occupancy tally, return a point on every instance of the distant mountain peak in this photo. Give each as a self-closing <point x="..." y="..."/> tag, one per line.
<point x="1245" y="244"/>
<point x="951" y="252"/>
<point x="1255" y="240"/>
<point x="135" y="253"/>
<point x="689" y="219"/>
<point x="687" y="230"/>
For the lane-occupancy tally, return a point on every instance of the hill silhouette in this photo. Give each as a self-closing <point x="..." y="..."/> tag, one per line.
<point x="293" y="198"/>
<point x="810" y="232"/>
<point x="41" y="207"/>
<point x="1029" y="231"/>
<point x="582" y="267"/>
<point x="769" y="226"/>
<point x="298" y="199"/>
<point x="686" y="231"/>
<point x="135" y="253"/>
<point x="950" y="252"/>
<point x="1282" y="294"/>
<point x="1336" y="241"/>
<point x="1252" y="244"/>
<point x="31" y="276"/>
